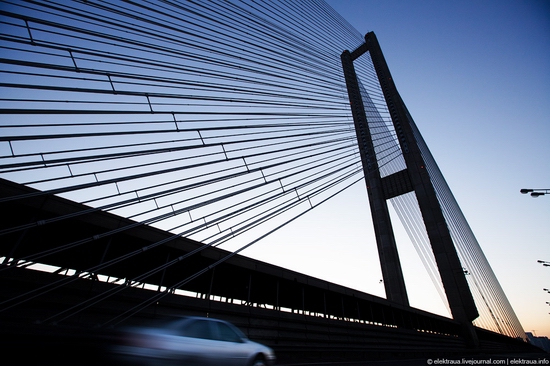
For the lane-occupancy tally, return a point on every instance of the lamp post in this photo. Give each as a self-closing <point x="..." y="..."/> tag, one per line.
<point x="535" y="192"/>
<point x="544" y="263"/>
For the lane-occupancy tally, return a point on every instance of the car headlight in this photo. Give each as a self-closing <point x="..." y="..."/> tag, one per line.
<point x="270" y="355"/>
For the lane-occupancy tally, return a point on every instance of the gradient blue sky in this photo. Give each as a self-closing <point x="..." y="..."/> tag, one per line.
<point x="475" y="76"/>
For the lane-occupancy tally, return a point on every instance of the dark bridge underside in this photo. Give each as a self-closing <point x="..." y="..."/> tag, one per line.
<point x="293" y="312"/>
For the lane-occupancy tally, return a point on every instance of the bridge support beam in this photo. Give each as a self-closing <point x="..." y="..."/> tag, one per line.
<point x="414" y="178"/>
<point x="392" y="273"/>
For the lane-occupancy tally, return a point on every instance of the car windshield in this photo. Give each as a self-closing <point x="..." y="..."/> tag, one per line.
<point x="203" y="328"/>
<point x="227" y="333"/>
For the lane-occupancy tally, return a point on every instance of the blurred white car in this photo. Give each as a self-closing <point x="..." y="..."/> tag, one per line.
<point x="192" y="341"/>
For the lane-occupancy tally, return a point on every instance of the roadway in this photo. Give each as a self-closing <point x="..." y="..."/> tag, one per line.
<point x="542" y="358"/>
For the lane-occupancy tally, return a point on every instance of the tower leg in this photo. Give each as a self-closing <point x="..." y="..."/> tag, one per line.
<point x="392" y="274"/>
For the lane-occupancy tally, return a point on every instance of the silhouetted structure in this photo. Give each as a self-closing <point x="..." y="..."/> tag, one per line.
<point x="414" y="177"/>
<point x="136" y="139"/>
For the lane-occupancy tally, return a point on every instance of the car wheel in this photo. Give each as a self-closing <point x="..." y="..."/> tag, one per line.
<point x="259" y="361"/>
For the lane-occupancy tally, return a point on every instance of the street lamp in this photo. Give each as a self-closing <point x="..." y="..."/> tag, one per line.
<point x="544" y="263"/>
<point x="535" y="192"/>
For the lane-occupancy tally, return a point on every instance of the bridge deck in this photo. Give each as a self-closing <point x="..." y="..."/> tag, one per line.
<point x="294" y="313"/>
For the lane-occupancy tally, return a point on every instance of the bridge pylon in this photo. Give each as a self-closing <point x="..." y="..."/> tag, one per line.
<point x="414" y="178"/>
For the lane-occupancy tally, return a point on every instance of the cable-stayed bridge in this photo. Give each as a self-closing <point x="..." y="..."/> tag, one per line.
<point x="145" y="145"/>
